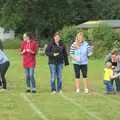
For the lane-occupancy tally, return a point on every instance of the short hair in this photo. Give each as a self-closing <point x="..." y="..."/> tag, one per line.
<point x="114" y="51"/>
<point x="29" y="34"/>
<point x="108" y="64"/>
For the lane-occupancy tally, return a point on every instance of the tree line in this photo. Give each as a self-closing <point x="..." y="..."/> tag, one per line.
<point x="43" y="17"/>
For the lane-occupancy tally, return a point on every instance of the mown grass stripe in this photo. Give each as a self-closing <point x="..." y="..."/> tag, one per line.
<point x="81" y="106"/>
<point x="34" y="108"/>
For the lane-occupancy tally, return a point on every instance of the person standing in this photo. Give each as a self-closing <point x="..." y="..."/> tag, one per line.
<point x="4" y="65"/>
<point x="28" y="50"/>
<point x="79" y="52"/>
<point x="1" y="48"/>
<point x="57" y="55"/>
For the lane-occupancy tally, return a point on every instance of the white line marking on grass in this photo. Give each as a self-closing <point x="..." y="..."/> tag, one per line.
<point x="81" y="106"/>
<point x="35" y="109"/>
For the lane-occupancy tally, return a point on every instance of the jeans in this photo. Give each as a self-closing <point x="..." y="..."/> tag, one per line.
<point x="117" y="84"/>
<point x="108" y="86"/>
<point x="56" y="72"/>
<point x="3" y="70"/>
<point x="30" y="80"/>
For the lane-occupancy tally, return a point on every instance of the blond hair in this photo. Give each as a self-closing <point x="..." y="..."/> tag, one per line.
<point x="108" y="65"/>
<point x="77" y="40"/>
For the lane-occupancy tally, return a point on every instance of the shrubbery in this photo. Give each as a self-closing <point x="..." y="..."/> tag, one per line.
<point x="12" y="43"/>
<point x="68" y="33"/>
<point x="104" y="39"/>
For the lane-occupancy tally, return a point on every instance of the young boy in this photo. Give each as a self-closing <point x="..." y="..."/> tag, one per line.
<point x="108" y="76"/>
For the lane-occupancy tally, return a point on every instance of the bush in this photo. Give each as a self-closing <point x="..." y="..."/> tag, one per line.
<point x="12" y="44"/>
<point x="68" y="33"/>
<point x="104" y="39"/>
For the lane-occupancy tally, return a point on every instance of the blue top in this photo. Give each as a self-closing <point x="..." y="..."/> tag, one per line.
<point x="80" y="55"/>
<point x="3" y="57"/>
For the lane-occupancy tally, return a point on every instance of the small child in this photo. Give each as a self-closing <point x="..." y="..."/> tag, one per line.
<point x="108" y="76"/>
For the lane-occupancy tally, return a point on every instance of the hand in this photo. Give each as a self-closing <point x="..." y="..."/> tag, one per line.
<point x="76" y="58"/>
<point x="55" y="54"/>
<point x="27" y="50"/>
<point x="23" y="51"/>
<point x="113" y="67"/>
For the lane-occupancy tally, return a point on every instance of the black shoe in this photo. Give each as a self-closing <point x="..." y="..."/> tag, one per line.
<point x="28" y="90"/>
<point x="33" y="91"/>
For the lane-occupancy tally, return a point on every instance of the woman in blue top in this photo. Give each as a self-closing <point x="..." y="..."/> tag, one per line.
<point x="79" y="52"/>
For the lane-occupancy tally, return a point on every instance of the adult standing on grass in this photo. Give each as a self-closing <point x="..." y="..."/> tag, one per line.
<point x="1" y="48"/>
<point x="57" y="55"/>
<point x="114" y="58"/>
<point x="4" y="65"/>
<point x="79" y="52"/>
<point x="28" y="50"/>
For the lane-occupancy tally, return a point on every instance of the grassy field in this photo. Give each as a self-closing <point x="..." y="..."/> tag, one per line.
<point x="15" y="104"/>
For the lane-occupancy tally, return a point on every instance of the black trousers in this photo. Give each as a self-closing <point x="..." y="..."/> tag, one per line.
<point x="3" y="70"/>
<point x="82" y="68"/>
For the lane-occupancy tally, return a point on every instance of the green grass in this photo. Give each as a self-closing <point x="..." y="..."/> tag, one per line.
<point x="15" y="104"/>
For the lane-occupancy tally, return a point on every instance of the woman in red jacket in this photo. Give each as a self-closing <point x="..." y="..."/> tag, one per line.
<point x="28" y="50"/>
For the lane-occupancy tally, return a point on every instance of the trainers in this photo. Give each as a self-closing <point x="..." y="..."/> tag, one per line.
<point x="53" y="92"/>
<point x="77" y="90"/>
<point x="60" y="91"/>
<point x="2" y="90"/>
<point x="28" y="90"/>
<point x="33" y="91"/>
<point x="86" y="91"/>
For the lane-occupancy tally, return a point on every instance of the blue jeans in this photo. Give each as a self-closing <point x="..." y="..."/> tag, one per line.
<point x="30" y="80"/>
<point x="56" y="71"/>
<point x="108" y="86"/>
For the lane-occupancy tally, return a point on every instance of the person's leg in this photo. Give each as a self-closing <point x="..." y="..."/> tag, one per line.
<point x="4" y="68"/>
<point x="53" y="76"/>
<point x="77" y="77"/>
<point x="32" y="79"/>
<point x="27" y="79"/>
<point x="85" y="80"/>
<point x="109" y="87"/>
<point x="117" y="82"/>
<point x="112" y="81"/>
<point x="106" y="86"/>
<point x="0" y="78"/>
<point x="59" y="76"/>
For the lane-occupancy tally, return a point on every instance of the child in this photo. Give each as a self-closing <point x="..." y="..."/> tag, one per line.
<point x="108" y="76"/>
<point x="28" y="49"/>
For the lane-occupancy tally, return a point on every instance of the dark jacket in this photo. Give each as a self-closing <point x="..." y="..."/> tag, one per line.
<point x="61" y="58"/>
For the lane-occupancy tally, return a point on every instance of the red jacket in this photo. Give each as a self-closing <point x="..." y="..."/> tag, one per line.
<point x="29" y="50"/>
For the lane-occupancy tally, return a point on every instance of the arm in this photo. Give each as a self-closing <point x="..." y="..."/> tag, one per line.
<point x="117" y="75"/>
<point x="22" y="50"/>
<point x="49" y="51"/>
<point x="1" y="59"/>
<point x="90" y="50"/>
<point x="34" y="50"/>
<point x="65" y="56"/>
<point x="72" y="51"/>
